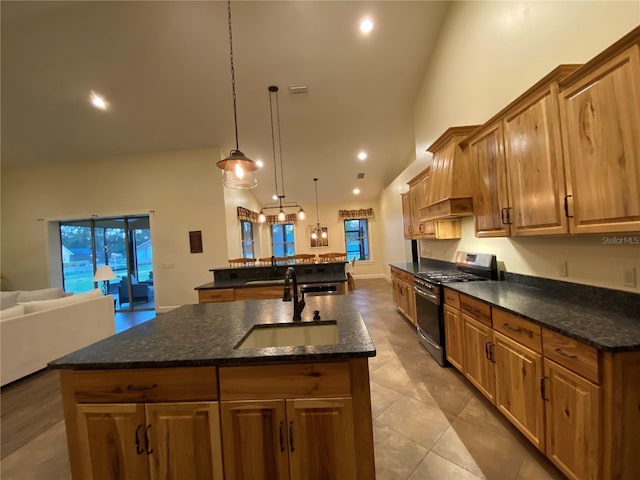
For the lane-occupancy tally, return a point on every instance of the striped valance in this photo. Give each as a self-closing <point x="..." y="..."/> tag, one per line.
<point x="361" y="213"/>
<point x="290" y="218"/>
<point x="248" y="215"/>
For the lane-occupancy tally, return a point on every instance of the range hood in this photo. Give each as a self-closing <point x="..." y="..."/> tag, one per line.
<point x="449" y="188"/>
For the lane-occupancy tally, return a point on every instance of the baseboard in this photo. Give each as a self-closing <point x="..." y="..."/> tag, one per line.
<point x="369" y="275"/>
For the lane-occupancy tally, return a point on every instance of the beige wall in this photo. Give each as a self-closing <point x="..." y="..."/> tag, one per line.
<point x="181" y="191"/>
<point x="487" y="54"/>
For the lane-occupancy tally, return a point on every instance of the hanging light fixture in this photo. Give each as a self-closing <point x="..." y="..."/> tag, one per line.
<point x="237" y="169"/>
<point x="281" y="205"/>
<point x="318" y="232"/>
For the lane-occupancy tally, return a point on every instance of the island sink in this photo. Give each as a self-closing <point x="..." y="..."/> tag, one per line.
<point x="291" y="335"/>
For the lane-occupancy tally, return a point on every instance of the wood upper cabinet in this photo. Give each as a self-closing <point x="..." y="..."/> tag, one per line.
<point x="449" y="192"/>
<point x="416" y="185"/>
<point x="453" y="331"/>
<point x="478" y="364"/>
<point x="149" y="441"/>
<point x="406" y="215"/>
<point x="600" y="111"/>
<point x="490" y="200"/>
<point x="572" y="422"/>
<point x="534" y="161"/>
<point x="518" y="375"/>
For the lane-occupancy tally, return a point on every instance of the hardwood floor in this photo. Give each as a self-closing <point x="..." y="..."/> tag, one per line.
<point x="429" y="422"/>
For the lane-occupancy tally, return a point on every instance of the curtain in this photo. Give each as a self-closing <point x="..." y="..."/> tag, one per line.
<point x="246" y="214"/>
<point x="361" y="213"/>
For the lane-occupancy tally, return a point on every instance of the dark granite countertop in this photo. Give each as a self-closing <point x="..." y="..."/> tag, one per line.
<point x="205" y="334"/>
<point x="562" y="309"/>
<point x="302" y="280"/>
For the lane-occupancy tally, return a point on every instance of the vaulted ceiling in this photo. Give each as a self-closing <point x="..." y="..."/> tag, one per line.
<point x="164" y="69"/>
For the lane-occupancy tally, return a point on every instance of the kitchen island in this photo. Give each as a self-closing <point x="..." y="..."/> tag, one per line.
<point x="176" y="398"/>
<point x="263" y="282"/>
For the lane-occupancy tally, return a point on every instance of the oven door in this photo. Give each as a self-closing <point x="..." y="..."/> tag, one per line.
<point x="429" y="319"/>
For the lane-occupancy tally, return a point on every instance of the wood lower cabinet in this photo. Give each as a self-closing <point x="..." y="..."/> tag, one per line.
<point x="149" y="441"/>
<point x="573" y="422"/>
<point x="518" y="374"/>
<point x="453" y="331"/>
<point x="478" y="361"/>
<point x="403" y="295"/>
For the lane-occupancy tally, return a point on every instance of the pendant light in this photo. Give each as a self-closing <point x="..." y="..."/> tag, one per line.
<point x="237" y="169"/>
<point x="281" y="204"/>
<point x="318" y="232"/>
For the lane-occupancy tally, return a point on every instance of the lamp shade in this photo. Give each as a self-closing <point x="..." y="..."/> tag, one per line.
<point x="104" y="273"/>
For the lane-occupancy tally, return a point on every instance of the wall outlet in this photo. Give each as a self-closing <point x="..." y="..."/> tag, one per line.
<point x="563" y="270"/>
<point x="630" y="277"/>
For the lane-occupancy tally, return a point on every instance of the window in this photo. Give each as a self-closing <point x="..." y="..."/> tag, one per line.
<point x="356" y="236"/>
<point x="246" y="232"/>
<point x="282" y="240"/>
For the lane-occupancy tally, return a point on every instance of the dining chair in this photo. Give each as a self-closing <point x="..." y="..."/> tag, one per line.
<point x="241" y="262"/>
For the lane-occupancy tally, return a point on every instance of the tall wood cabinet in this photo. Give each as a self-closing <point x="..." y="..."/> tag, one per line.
<point x="600" y="105"/>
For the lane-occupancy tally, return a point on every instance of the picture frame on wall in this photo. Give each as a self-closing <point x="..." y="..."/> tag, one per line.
<point x="322" y="240"/>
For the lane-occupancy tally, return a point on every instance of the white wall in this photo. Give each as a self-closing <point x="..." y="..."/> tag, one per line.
<point x="181" y="191"/>
<point x="488" y="53"/>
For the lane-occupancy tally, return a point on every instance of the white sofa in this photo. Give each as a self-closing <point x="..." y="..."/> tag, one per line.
<point x="55" y="327"/>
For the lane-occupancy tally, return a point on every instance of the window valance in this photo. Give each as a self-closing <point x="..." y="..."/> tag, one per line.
<point x="251" y="216"/>
<point x="361" y="213"/>
<point x="248" y="215"/>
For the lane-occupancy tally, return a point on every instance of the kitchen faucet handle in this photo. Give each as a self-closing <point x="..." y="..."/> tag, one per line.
<point x="316" y="314"/>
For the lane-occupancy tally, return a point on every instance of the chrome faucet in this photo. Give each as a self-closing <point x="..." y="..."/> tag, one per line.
<point x="298" y="306"/>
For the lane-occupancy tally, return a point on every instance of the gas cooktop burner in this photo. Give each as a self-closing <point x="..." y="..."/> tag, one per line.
<point x="449" y="276"/>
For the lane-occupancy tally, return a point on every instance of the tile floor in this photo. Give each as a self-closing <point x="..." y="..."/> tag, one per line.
<point x="429" y="422"/>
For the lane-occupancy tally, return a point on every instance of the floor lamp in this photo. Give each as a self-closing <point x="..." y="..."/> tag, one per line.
<point x="104" y="274"/>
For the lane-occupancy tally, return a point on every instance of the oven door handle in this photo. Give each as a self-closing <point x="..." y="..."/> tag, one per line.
<point x="430" y="296"/>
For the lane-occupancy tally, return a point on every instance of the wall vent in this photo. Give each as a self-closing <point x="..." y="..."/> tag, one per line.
<point x="360" y="176"/>
<point x="298" y="89"/>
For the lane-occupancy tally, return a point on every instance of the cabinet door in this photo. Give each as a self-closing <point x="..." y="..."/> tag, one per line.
<point x="415" y="199"/>
<point x="321" y="439"/>
<point x="490" y="200"/>
<point x="533" y="153"/>
<point x="255" y="440"/>
<point x="406" y="215"/>
<point x="111" y="441"/>
<point x="411" y="303"/>
<point x="573" y="422"/>
<point x="453" y="336"/>
<point x="601" y="121"/>
<point x="478" y="367"/>
<point x="518" y="376"/>
<point x="184" y="440"/>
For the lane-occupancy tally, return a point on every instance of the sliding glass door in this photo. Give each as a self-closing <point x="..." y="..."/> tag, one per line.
<point x="122" y="243"/>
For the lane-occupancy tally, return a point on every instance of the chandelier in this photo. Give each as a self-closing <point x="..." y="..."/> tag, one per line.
<point x="318" y="232"/>
<point x="281" y="203"/>
<point x="237" y="169"/>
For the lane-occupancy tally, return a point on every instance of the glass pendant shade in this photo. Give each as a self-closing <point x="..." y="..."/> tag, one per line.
<point x="301" y="214"/>
<point x="314" y="235"/>
<point x="282" y="216"/>
<point x="262" y="217"/>
<point x="238" y="171"/>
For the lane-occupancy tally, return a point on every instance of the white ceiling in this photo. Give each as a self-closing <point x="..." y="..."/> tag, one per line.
<point x="164" y="68"/>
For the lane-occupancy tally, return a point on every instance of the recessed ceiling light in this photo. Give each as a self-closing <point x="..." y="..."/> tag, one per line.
<point x="366" y="25"/>
<point x="356" y="191"/>
<point x="362" y="155"/>
<point x="98" y="101"/>
<point x="275" y="197"/>
<point x="260" y="163"/>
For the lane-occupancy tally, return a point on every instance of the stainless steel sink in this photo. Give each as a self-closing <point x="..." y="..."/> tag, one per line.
<point x="291" y="335"/>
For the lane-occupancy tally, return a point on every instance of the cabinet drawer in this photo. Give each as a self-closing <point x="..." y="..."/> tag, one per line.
<point x="216" y="295"/>
<point x="401" y="275"/>
<point x="522" y="331"/>
<point x="452" y="298"/>
<point x="476" y="309"/>
<point x="146" y="385"/>
<point x="261" y="382"/>
<point x="577" y="357"/>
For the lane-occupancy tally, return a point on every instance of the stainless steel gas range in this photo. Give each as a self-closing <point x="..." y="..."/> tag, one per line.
<point x="470" y="267"/>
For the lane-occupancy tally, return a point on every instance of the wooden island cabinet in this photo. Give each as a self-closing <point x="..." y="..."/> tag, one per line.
<point x="575" y="403"/>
